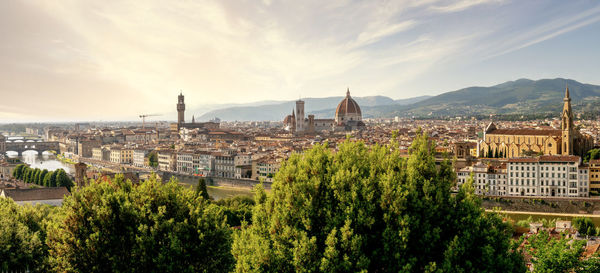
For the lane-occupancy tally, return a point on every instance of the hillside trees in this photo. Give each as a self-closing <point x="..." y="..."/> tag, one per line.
<point x="154" y="227"/>
<point x="368" y="209"/>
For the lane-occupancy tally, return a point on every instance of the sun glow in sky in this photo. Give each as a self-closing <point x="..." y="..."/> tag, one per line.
<point x="106" y="60"/>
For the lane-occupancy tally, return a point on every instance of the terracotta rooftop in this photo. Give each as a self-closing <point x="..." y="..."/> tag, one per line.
<point x="526" y="132"/>
<point x="546" y="158"/>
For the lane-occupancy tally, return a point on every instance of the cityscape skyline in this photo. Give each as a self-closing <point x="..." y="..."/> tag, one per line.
<point x="114" y="62"/>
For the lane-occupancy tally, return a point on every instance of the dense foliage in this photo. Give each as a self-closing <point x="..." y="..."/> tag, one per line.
<point x="368" y="209"/>
<point x="22" y="237"/>
<point x="585" y="226"/>
<point x="153" y="227"/>
<point x="592" y="155"/>
<point x="153" y="159"/>
<point x="359" y="209"/>
<point x="58" y="178"/>
<point x="558" y="254"/>
<point x="237" y="209"/>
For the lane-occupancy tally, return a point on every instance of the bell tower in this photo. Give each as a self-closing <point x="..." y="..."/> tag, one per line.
<point x="567" y="125"/>
<point x="180" y="110"/>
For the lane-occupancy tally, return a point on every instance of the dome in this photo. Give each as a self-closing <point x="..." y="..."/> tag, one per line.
<point x="347" y="107"/>
<point x="288" y="119"/>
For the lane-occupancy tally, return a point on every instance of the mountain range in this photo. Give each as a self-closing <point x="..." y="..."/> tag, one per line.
<point x="523" y="96"/>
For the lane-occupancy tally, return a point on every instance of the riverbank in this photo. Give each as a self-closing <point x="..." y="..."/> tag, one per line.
<point x="538" y="216"/>
<point x="589" y="206"/>
<point x="65" y="160"/>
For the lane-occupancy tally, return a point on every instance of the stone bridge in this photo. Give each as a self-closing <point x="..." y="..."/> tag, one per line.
<point x="21" y="147"/>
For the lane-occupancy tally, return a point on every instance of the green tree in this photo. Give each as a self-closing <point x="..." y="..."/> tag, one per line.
<point x="201" y="189"/>
<point x="367" y="209"/>
<point x="584" y="225"/>
<point x="153" y="159"/>
<point x="27" y="174"/>
<point x="63" y="180"/>
<point x="237" y="209"/>
<point x="46" y="181"/>
<point x="22" y="236"/>
<point x="154" y="227"/>
<point x="592" y="155"/>
<point x="18" y="171"/>
<point x="41" y="177"/>
<point x="52" y="182"/>
<point x="557" y="255"/>
<point x="36" y="176"/>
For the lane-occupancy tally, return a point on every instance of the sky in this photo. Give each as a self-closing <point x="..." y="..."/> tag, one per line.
<point x="113" y="60"/>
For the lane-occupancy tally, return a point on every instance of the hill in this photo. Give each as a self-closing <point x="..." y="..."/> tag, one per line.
<point x="522" y="96"/>
<point x="321" y="107"/>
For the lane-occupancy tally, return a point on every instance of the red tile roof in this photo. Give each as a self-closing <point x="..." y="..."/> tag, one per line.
<point x="526" y="132"/>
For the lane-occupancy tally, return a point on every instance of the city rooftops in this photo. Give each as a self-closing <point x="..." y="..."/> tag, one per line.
<point x="526" y="132"/>
<point x="546" y="158"/>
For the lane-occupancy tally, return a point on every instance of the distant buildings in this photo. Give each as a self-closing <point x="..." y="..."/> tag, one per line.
<point x="548" y="176"/>
<point x="517" y="142"/>
<point x="176" y="127"/>
<point x="348" y="117"/>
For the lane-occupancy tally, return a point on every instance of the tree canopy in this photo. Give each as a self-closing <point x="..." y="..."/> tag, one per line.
<point x="154" y="227"/>
<point x="368" y="209"/>
<point x="558" y="254"/>
<point x="22" y="237"/>
<point x="58" y="178"/>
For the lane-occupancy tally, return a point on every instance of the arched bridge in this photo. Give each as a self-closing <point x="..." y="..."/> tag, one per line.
<point x="40" y="147"/>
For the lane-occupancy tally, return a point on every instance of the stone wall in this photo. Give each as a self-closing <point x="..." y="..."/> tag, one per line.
<point x="215" y="181"/>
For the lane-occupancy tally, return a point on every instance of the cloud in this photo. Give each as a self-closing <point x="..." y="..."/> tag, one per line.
<point x="87" y="59"/>
<point x="456" y="6"/>
<point x="546" y="30"/>
<point x="376" y="32"/>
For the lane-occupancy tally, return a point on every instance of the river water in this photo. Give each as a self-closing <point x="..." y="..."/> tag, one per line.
<point x="42" y="161"/>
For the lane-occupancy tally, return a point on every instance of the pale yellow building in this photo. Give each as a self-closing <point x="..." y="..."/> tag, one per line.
<point x="595" y="175"/>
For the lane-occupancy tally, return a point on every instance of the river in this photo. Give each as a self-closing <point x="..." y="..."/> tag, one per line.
<point x="45" y="160"/>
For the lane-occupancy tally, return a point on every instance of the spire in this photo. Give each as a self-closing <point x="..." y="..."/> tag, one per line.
<point x="348" y="92"/>
<point x="567" y="92"/>
<point x="193" y="120"/>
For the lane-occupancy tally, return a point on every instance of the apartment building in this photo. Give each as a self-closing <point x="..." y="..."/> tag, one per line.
<point x="487" y="180"/>
<point x="167" y="161"/>
<point x="121" y="155"/>
<point x="185" y="162"/>
<point x="140" y="157"/>
<point x="594" y="173"/>
<point x="225" y="165"/>
<point x="548" y="175"/>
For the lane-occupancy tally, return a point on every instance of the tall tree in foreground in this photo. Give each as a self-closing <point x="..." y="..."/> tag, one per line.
<point x="22" y="237"/>
<point x="154" y="227"/>
<point x="368" y="209"/>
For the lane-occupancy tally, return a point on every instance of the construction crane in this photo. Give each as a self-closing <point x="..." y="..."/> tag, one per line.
<point x="144" y="116"/>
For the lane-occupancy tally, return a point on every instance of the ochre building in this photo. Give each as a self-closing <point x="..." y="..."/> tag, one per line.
<point x="508" y="143"/>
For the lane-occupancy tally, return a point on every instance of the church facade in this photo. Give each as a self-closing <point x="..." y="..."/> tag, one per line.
<point x="348" y="116"/>
<point x="509" y="143"/>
